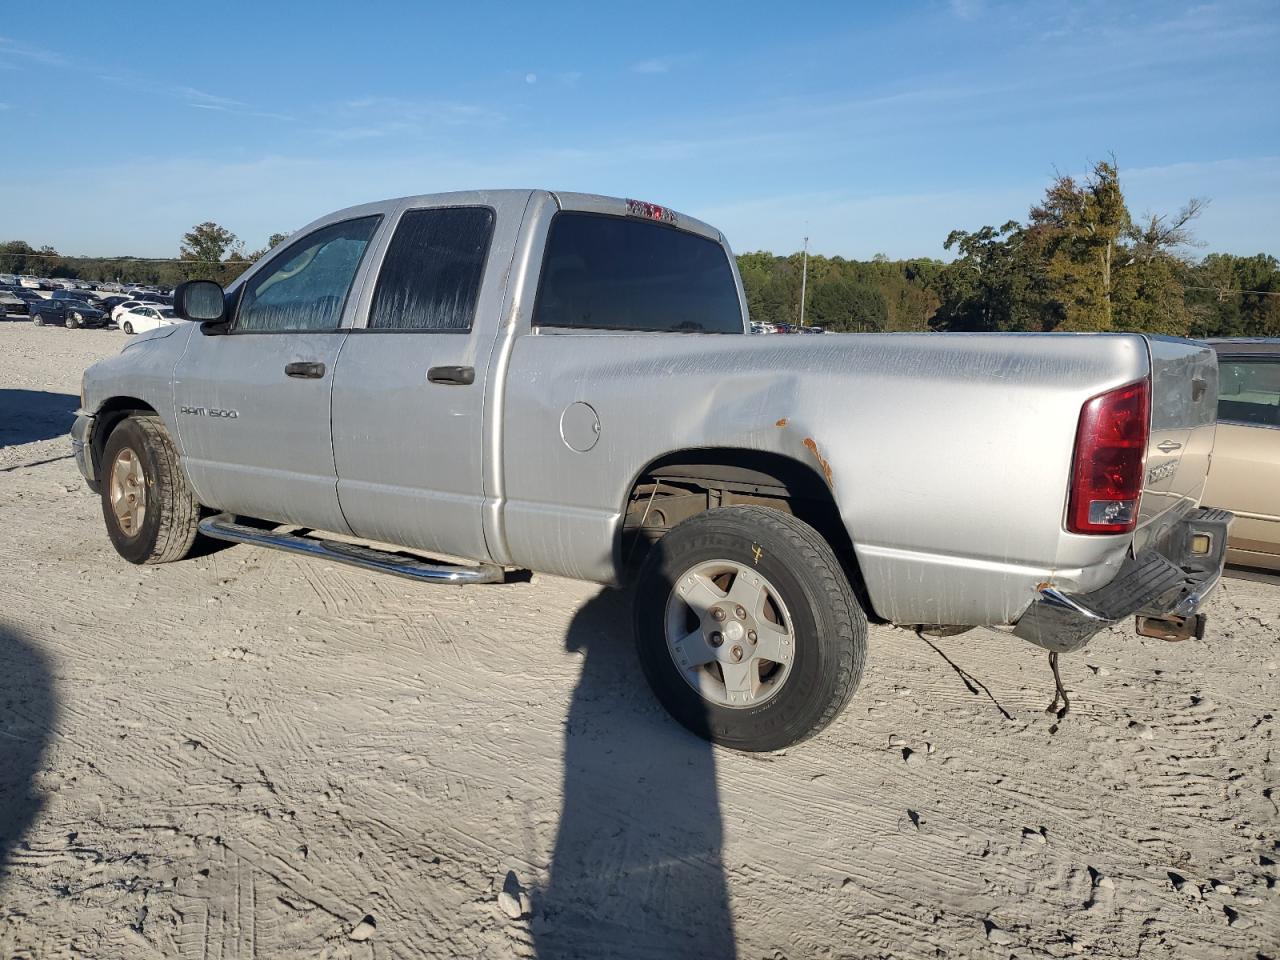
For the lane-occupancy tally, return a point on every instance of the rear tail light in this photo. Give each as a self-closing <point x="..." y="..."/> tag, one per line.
<point x="1111" y="447"/>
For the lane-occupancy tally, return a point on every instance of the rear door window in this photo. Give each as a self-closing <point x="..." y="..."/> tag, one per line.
<point x="1249" y="391"/>
<point x="303" y="289"/>
<point x="616" y="273"/>
<point x="431" y="275"/>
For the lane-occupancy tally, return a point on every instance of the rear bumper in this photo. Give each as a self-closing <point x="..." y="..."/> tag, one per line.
<point x="1169" y="579"/>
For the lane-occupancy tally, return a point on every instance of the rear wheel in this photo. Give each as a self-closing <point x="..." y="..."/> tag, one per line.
<point x="747" y="628"/>
<point x="150" y="510"/>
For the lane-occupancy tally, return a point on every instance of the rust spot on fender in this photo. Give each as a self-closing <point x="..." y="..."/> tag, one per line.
<point x="822" y="461"/>
<point x="781" y="423"/>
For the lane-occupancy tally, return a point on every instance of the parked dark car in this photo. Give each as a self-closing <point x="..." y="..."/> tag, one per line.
<point x="108" y="304"/>
<point x="27" y="296"/>
<point x="87" y="296"/>
<point x="10" y="302"/>
<point x="69" y="313"/>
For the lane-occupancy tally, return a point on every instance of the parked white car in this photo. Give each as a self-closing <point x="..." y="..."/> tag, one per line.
<point x="146" y="316"/>
<point x="120" y="309"/>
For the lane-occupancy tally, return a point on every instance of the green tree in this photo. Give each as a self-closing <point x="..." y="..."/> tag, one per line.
<point x="205" y="246"/>
<point x="17" y="256"/>
<point x="1079" y="263"/>
<point x="1079" y="226"/>
<point x="844" y="294"/>
<point x="1230" y="296"/>
<point x="995" y="284"/>
<point x="845" y="305"/>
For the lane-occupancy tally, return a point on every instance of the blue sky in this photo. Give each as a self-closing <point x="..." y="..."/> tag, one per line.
<point x="872" y="127"/>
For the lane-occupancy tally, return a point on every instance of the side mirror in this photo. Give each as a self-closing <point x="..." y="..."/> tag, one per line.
<point x="200" y="300"/>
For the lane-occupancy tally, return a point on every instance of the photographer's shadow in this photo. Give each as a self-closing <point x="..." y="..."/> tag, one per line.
<point x="27" y="715"/>
<point x="637" y="867"/>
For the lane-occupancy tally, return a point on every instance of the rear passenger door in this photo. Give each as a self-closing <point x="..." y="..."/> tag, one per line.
<point x="409" y="391"/>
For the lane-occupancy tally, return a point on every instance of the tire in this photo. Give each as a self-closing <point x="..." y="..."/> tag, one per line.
<point x="128" y="327"/>
<point x="808" y="603"/>
<point x="70" y="322"/>
<point x="165" y="528"/>
<point x="38" y="319"/>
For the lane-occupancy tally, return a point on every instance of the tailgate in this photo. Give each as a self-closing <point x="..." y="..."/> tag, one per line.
<point x="1184" y="407"/>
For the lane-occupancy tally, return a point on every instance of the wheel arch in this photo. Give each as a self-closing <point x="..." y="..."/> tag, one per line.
<point x="681" y="483"/>
<point x="109" y="416"/>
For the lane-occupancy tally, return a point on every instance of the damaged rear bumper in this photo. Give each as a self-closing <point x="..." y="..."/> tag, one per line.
<point x="1170" y="581"/>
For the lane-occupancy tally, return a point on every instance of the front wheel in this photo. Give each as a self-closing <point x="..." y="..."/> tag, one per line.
<point x="128" y="327"/>
<point x="38" y="319"/>
<point x="150" y="510"/>
<point x="747" y="628"/>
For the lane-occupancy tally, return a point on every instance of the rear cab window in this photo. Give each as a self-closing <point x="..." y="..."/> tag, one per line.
<point x="602" y="272"/>
<point x="1249" y="390"/>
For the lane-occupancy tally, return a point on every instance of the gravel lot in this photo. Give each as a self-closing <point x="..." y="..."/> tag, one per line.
<point x="252" y="755"/>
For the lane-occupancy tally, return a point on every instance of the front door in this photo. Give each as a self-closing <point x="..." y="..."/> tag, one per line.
<point x="252" y="405"/>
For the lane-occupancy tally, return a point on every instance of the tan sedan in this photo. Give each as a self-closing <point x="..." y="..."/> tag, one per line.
<point x="1245" y="475"/>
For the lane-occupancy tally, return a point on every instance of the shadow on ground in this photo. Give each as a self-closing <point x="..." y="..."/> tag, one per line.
<point x="30" y="415"/>
<point x="637" y="869"/>
<point x="26" y="724"/>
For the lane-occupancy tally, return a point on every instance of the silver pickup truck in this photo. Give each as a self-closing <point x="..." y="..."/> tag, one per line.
<point x="564" y="383"/>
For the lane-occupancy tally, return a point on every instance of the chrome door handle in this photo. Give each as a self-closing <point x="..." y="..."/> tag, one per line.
<point x="304" y="370"/>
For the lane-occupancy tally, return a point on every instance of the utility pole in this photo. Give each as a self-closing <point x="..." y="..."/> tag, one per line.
<point x="804" y="277"/>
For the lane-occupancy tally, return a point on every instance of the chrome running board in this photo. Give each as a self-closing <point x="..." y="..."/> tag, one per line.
<point x="224" y="527"/>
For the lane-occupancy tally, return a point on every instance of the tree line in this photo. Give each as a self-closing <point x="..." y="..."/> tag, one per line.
<point x="1080" y="262"/>
<point x="208" y="251"/>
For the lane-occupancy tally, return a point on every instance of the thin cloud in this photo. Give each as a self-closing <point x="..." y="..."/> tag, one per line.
<point x="652" y="65"/>
<point x="367" y="118"/>
<point x="10" y="48"/>
<point x="199" y="98"/>
<point x="191" y="96"/>
<point x="966" y="9"/>
<point x="666" y="63"/>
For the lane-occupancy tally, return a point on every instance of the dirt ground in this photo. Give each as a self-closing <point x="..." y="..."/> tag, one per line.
<point x="253" y="755"/>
